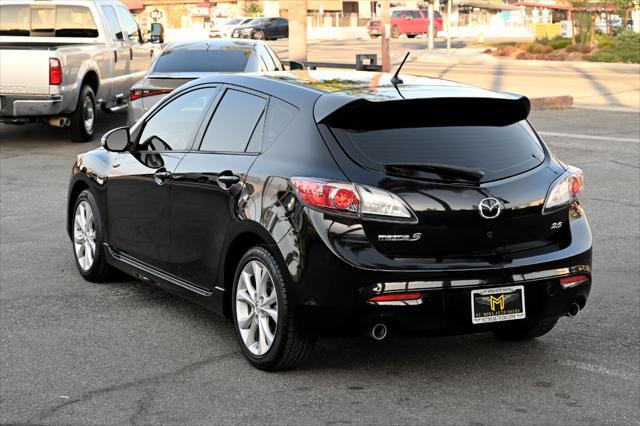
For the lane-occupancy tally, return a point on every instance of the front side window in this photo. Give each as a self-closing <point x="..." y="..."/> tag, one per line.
<point x="128" y="23"/>
<point x="112" y="21"/>
<point x="234" y="123"/>
<point x="173" y="127"/>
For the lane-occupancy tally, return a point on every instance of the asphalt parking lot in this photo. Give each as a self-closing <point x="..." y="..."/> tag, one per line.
<point x="72" y="352"/>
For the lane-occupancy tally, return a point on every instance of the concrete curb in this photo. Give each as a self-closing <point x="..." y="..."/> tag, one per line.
<point x="551" y="102"/>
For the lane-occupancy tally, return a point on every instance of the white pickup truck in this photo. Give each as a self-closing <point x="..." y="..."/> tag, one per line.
<point x="60" y="59"/>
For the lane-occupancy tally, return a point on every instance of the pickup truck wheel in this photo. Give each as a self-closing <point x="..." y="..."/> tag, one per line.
<point x="411" y="36"/>
<point x="395" y="31"/>
<point x="83" y="119"/>
<point x="374" y="36"/>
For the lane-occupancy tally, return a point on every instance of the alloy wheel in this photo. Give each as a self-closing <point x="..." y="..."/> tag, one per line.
<point x="88" y="114"/>
<point x="84" y="235"/>
<point x="256" y="307"/>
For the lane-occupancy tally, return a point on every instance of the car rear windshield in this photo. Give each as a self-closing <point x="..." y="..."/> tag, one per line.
<point x="497" y="151"/>
<point x="202" y="61"/>
<point x="47" y="21"/>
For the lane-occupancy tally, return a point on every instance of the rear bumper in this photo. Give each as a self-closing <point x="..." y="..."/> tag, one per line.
<point x="331" y="292"/>
<point x="19" y="106"/>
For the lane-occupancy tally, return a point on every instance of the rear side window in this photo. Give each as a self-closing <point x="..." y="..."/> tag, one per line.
<point x="234" y="123"/>
<point x="183" y="60"/>
<point x="498" y="151"/>
<point x="47" y="21"/>
<point x="279" y="116"/>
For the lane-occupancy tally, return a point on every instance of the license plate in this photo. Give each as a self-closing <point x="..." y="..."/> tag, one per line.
<point x="497" y="304"/>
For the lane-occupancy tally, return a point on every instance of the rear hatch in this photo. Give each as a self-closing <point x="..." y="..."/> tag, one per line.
<point x="455" y="162"/>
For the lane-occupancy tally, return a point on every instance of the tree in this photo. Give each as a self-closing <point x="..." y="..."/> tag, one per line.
<point x="253" y="9"/>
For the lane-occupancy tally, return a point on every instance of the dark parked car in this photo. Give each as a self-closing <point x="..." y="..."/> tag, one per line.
<point x="184" y="61"/>
<point x="301" y="204"/>
<point x="263" y="29"/>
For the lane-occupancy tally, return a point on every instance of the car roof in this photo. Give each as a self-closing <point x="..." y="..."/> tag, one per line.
<point x="324" y="92"/>
<point x="213" y="44"/>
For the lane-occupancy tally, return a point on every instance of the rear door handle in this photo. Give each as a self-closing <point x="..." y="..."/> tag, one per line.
<point x="227" y="181"/>
<point x="131" y="53"/>
<point x="161" y="176"/>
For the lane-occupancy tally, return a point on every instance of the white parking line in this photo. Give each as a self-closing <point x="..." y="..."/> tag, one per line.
<point x="590" y="137"/>
<point x="594" y="368"/>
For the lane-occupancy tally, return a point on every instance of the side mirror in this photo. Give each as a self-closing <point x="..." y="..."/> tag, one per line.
<point x="116" y="140"/>
<point x="293" y="65"/>
<point x="157" y="33"/>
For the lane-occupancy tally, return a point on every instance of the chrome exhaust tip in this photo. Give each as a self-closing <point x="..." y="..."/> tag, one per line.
<point x="378" y="331"/>
<point x="574" y="309"/>
<point x="59" y="121"/>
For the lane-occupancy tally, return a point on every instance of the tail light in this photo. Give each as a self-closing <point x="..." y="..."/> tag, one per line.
<point x="135" y="94"/>
<point x="565" y="190"/>
<point x="55" y="72"/>
<point x="351" y="199"/>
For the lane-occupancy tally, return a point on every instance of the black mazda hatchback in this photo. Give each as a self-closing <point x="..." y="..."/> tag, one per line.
<point x="302" y="204"/>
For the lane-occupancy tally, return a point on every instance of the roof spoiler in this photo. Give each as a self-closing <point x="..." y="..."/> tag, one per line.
<point x="363" y="114"/>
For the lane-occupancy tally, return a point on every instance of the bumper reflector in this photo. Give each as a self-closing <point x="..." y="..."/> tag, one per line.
<point x="573" y="280"/>
<point x="396" y="297"/>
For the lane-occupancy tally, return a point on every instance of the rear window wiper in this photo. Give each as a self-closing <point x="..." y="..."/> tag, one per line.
<point x="410" y="169"/>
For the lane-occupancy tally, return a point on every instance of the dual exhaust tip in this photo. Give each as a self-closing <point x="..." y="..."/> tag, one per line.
<point x="59" y="121"/>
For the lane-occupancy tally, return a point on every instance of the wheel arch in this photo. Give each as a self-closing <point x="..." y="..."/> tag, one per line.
<point x="74" y="192"/>
<point x="239" y="243"/>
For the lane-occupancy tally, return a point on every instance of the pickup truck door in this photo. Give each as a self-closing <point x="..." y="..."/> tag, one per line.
<point x="140" y="54"/>
<point x="119" y="56"/>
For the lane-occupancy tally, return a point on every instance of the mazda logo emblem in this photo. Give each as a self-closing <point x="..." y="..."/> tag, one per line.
<point x="490" y="208"/>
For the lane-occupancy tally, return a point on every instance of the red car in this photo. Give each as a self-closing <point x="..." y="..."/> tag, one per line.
<point x="406" y="21"/>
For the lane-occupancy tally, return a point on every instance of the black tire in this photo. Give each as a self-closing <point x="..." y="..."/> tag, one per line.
<point x="373" y="36"/>
<point x="290" y="345"/>
<point x="258" y="35"/>
<point x="99" y="271"/>
<point x="411" y="36"/>
<point x="395" y="31"/>
<point x="79" y="131"/>
<point x="525" y="332"/>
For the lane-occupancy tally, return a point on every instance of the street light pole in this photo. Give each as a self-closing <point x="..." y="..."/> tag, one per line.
<point x="431" y="26"/>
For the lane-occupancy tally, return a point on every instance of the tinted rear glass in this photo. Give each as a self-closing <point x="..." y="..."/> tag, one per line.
<point x="202" y="61"/>
<point x="498" y="151"/>
<point x="47" y="21"/>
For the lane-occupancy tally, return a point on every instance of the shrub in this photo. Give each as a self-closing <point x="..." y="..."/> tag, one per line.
<point x="626" y="49"/>
<point x="505" y="51"/>
<point x="605" y="41"/>
<point x="556" y="43"/>
<point x="539" y="48"/>
<point x="525" y="56"/>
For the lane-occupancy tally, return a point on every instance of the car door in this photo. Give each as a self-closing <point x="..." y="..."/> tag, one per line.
<point x="209" y="182"/>
<point x="139" y="193"/>
<point x="417" y="23"/>
<point x="140" y="53"/>
<point x="119" y="76"/>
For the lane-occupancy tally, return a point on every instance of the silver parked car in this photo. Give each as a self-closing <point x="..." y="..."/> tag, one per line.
<point x="183" y="61"/>
<point x="225" y="30"/>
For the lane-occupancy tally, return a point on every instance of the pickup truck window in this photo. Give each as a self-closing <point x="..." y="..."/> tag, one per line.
<point x="112" y="20"/>
<point x="128" y="23"/>
<point x="47" y="21"/>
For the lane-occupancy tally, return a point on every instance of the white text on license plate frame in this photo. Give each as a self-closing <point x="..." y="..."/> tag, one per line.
<point x="497" y="292"/>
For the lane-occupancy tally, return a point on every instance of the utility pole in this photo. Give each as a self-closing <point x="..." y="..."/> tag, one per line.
<point x="298" y="31"/>
<point x="386" y="35"/>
